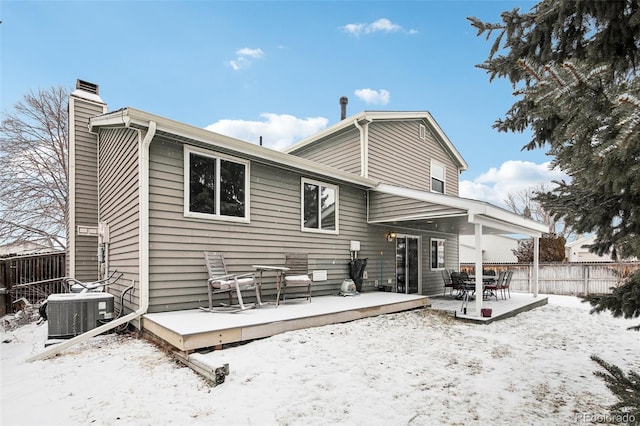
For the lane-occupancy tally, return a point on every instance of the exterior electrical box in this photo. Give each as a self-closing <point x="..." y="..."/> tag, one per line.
<point x="71" y="314"/>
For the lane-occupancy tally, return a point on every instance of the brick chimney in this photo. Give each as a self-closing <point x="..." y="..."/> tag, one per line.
<point x="343" y="107"/>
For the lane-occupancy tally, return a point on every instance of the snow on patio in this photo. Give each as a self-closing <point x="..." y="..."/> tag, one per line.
<point x="415" y="367"/>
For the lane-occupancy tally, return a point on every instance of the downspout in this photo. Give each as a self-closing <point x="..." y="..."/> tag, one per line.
<point x="536" y="265"/>
<point x="364" y="146"/>
<point x="143" y="253"/>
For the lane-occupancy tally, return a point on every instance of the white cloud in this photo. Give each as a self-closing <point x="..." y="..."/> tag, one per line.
<point x="512" y="177"/>
<point x="354" y="29"/>
<point x="381" y="25"/>
<point x="376" y="97"/>
<point x="253" y="53"/>
<point x="277" y="130"/>
<point x="244" y="56"/>
<point x="384" y="25"/>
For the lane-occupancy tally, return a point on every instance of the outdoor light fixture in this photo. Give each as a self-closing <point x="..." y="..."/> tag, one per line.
<point x="390" y="236"/>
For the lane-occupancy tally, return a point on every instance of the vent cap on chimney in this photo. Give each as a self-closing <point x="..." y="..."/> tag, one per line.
<point x="343" y="107"/>
<point x="87" y="87"/>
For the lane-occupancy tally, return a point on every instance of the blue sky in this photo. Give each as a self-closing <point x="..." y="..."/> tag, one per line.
<point x="278" y="68"/>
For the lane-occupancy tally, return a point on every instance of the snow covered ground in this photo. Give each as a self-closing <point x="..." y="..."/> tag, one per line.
<point x="418" y="368"/>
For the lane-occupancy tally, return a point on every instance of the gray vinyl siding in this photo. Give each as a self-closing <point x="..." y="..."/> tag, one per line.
<point x="341" y="151"/>
<point x="398" y="156"/>
<point x="177" y="270"/>
<point x="382" y="206"/>
<point x="381" y="255"/>
<point x="86" y="189"/>
<point x="119" y="208"/>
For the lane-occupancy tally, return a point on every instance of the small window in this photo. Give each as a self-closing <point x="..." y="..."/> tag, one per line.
<point x="423" y="132"/>
<point x="437" y="177"/>
<point x="319" y="207"/>
<point x="437" y="253"/>
<point x="216" y="186"/>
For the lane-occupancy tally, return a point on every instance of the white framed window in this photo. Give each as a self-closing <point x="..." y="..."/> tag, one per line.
<point x="319" y="206"/>
<point x="438" y="172"/>
<point x="437" y="253"/>
<point x="216" y="186"/>
<point x="423" y="132"/>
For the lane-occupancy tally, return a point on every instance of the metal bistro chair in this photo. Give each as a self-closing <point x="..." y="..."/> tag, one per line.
<point x="448" y="282"/>
<point x="297" y="275"/>
<point x="459" y="281"/>
<point x="506" y="283"/>
<point x="491" y="288"/>
<point x="222" y="282"/>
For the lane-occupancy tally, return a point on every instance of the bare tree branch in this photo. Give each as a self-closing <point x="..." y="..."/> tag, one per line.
<point x="33" y="168"/>
<point x="525" y="203"/>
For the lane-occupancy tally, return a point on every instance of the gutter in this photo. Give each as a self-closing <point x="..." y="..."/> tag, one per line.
<point x="133" y="118"/>
<point x="143" y="254"/>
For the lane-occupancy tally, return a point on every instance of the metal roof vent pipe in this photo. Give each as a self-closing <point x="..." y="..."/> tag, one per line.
<point x="343" y="107"/>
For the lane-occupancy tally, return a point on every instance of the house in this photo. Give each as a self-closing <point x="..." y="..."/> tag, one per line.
<point x="143" y="200"/>
<point x="495" y="249"/>
<point x="578" y="251"/>
<point x="42" y="245"/>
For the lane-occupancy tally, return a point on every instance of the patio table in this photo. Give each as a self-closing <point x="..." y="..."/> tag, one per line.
<point x="467" y="288"/>
<point x="277" y="269"/>
<point x="485" y="278"/>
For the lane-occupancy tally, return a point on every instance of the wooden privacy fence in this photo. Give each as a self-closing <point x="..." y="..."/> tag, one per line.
<point x="575" y="278"/>
<point x="33" y="277"/>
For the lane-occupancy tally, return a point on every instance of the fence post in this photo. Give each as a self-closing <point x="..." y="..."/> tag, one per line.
<point x="4" y="283"/>
<point x="585" y="279"/>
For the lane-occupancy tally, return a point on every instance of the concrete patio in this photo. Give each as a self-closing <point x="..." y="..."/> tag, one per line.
<point x="500" y="309"/>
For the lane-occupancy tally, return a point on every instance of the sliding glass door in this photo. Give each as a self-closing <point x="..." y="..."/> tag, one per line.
<point x="407" y="264"/>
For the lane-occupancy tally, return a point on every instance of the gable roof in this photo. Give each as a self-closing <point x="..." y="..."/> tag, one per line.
<point x="370" y="116"/>
<point x="589" y="239"/>
<point x="461" y="209"/>
<point x="137" y="119"/>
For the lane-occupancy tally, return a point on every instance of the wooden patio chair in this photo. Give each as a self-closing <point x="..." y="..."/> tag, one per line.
<point x="297" y="275"/>
<point x="220" y="281"/>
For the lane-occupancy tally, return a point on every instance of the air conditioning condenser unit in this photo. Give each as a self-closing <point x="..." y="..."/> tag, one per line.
<point x="71" y="314"/>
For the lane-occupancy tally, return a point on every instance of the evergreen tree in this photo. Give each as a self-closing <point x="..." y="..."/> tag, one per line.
<point x="624" y="301"/>
<point x="574" y="66"/>
<point x="626" y="387"/>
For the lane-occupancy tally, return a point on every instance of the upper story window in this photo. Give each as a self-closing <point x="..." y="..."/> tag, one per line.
<point x="319" y="207"/>
<point x="437" y="177"/>
<point x="216" y="186"/>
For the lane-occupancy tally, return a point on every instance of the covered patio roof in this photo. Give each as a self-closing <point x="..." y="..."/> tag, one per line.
<point x="431" y="211"/>
<point x="435" y="212"/>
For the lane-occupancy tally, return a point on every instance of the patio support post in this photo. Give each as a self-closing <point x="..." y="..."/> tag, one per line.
<point x="478" y="253"/>
<point x="536" y="262"/>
